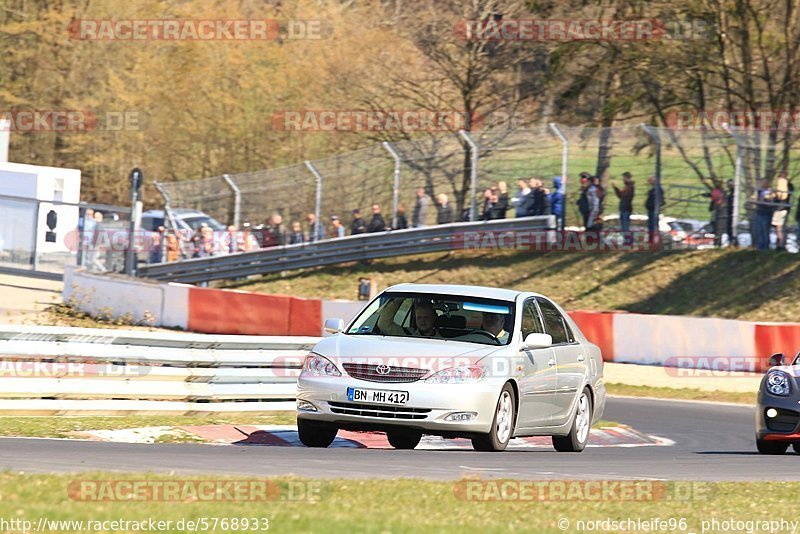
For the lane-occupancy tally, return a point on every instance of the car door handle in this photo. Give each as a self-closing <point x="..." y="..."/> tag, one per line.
<point x="581" y="358"/>
<point x="551" y="363"/>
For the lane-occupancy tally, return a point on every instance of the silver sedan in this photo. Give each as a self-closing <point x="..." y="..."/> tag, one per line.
<point x="483" y="363"/>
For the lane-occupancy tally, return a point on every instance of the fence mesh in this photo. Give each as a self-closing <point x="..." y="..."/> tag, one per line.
<point x="692" y="162"/>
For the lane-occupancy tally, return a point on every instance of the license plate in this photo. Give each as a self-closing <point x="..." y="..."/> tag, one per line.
<point x="377" y="396"/>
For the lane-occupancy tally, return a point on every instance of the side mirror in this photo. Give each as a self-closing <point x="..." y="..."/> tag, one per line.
<point x="776" y="360"/>
<point x="333" y="326"/>
<point x="537" y="341"/>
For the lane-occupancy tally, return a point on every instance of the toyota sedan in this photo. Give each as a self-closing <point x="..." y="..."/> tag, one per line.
<point x="482" y="363"/>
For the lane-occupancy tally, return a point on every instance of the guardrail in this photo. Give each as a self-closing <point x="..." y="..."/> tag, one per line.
<point x="62" y="371"/>
<point x="392" y="243"/>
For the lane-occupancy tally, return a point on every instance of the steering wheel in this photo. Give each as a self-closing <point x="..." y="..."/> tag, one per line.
<point x="486" y="333"/>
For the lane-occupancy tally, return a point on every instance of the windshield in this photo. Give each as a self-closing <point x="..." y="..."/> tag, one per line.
<point x="460" y="318"/>
<point x="197" y="222"/>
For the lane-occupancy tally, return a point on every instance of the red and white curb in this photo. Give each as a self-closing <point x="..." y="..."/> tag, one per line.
<point x="286" y="436"/>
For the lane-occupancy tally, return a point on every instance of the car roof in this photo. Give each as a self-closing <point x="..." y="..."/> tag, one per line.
<point x="176" y="211"/>
<point x="460" y="290"/>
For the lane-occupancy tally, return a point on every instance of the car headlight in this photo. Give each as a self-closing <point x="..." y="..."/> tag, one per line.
<point x="778" y="383"/>
<point x="314" y="364"/>
<point x="458" y="375"/>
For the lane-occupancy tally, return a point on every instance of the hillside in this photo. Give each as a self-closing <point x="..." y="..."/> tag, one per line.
<point x="737" y="284"/>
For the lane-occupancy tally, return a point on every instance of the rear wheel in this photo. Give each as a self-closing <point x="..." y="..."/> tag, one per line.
<point x="315" y="433"/>
<point x="578" y="435"/>
<point x="772" y="447"/>
<point x="403" y="439"/>
<point x="502" y="425"/>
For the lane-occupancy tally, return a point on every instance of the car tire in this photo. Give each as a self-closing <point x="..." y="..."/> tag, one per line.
<point x="578" y="435"/>
<point x="315" y="433"/>
<point x="771" y="447"/>
<point x="502" y="424"/>
<point x="403" y="439"/>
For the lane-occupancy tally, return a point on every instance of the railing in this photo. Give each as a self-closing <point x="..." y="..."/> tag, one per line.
<point x="334" y="251"/>
<point x="59" y="370"/>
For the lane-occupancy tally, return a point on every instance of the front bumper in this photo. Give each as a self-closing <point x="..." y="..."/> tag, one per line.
<point x="426" y="409"/>
<point x="785" y="426"/>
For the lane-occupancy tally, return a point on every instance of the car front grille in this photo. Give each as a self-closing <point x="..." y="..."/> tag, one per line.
<point x="785" y="421"/>
<point x="369" y="372"/>
<point x="373" y="410"/>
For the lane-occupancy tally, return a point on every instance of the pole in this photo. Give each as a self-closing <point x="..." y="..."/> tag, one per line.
<point x="136" y="179"/>
<point x="737" y="179"/>
<point x="564" y="159"/>
<point x="473" y="149"/>
<point x="237" y="198"/>
<point x="396" y="191"/>
<point x="318" y="176"/>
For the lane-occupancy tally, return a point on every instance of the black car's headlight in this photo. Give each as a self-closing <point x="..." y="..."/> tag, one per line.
<point x="778" y="383"/>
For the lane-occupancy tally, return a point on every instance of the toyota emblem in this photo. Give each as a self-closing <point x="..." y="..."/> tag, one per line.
<point x="383" y="369"/>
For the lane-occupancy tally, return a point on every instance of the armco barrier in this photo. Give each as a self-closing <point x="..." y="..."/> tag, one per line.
<point x="58" y="370"/>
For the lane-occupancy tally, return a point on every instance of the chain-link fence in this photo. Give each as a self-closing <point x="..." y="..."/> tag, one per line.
<point x="690" y="165"/>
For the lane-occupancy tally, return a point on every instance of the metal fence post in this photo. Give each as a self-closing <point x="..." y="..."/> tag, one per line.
<point x="318" y="176"/>
<point x="396" y="192"/>
<point x="653" y="133"/>
<point x="564" y="159"/>
<point x="237" y="198"/>
<point x="167" y="210"/>
<point x="473" y="148"/>
<point x="737" y="184"/>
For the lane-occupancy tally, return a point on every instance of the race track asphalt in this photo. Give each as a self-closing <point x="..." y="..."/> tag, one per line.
<point x="712" y="442"/>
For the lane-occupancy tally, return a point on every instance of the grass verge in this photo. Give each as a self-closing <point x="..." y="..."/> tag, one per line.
<point x="407" y="505"/>
<point x="625" y="390"/>
<point x="736" y="284"/>
<point x="60" y="426"/>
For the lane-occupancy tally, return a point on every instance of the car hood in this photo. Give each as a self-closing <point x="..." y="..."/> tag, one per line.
<point x="435" y="354"/>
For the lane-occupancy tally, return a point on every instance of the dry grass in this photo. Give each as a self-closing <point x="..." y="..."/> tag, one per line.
<point x="741" y="284"/>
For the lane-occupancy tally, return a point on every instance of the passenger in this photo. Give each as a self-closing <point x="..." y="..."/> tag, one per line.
<point x="424" y="316"/>
<point x="493" y="323"/>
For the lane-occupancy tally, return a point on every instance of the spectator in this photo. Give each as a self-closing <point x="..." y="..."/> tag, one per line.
<point x="278" y="231"/>
<point x="315" y="231"/>
<point x="265" y="233"/>
<point x="338" y="227"/>
<point x="730" y="203"/>
<point x="296" y="236"/>
<point x="376" y="224"/>
<point x="625" y="196"/>
<point x="763" y="216"/>
<point x="88" y="234"/>
<point x="444" y="211"/>
<point x="521" y="199"/>
<point x="358" y="226"/>
<point x="99" y="240"/>
<point x="655" y="197"/>
<point x="600" y="191"/>
<point x="781" y="198"/>
<point x="157" y="244"/>
<point x="502" y="200"/>
<point x="556" y="200"/>
<point x="538" y="204"/>
<point x="418" y="217"/>
<point x="173" y="248"/>
<point x="594" y="219"/>
<point x="401" y="223"/>
<point x="583" y="200"/>
<point x="719" y="213"/>
<point x="203" y="242"/>
<point x="487" y="204"/>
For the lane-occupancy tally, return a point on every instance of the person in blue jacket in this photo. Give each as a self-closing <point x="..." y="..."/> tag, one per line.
<point x="557" y="201"/>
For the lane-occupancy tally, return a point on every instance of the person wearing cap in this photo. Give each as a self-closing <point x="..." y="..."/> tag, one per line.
<point x="338" y="227"/>
<point x="358" y="226"/>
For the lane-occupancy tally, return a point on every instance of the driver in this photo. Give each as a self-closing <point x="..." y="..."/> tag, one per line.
<point x="493" y="323"/>
<point x="424" y="316"/>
